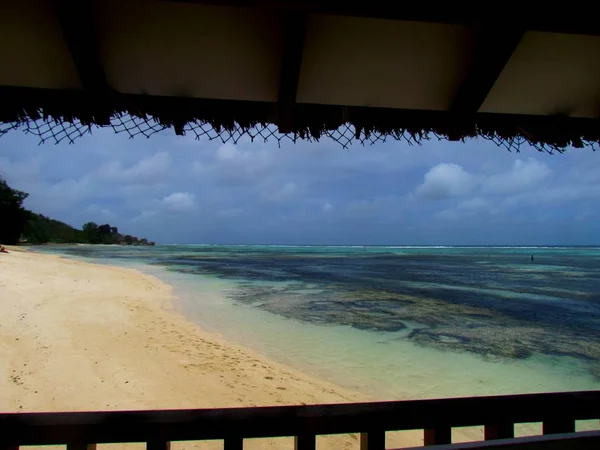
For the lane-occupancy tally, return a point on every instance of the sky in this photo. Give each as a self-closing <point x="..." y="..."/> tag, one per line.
<point x="173" y="189"/>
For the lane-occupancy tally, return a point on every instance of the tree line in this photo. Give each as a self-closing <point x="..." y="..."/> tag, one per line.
<point x="17" y="224"/>
<point x="106" y="234"/>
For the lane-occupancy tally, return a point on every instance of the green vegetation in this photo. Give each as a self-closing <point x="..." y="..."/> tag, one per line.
<point x="18" y="224"/>
<point x="40" y="230"/>
<point x="105" y="234"/>
<point x="12" y="214"/>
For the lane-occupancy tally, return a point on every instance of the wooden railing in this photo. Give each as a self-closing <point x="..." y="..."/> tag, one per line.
<point x="82" y="430"/>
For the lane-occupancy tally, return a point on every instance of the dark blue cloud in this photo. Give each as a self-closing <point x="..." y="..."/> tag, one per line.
<point x="174" y="189"/>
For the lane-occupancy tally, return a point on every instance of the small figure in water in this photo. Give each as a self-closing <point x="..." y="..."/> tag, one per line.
<point x="532" y="257"/>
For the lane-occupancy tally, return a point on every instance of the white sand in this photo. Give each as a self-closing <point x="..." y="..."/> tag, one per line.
<point x="76" y="336"/>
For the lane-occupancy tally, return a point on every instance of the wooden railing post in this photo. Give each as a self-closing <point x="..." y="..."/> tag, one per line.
<point x="437" y="436"/>
<point x="305" y="442"/>
<point x="558" y="426"/>
<point x="372" y="440"/>
<point x="557" y="412"/>
<point x="8" y="447"/>
<point x="498" y="431"/>
<point x="233" y="443"/>
<point x="80" y="446"/>
<point x="158" y="445"/>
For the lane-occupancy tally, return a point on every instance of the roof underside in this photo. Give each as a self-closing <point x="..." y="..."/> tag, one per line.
<point x="305" y="67"/>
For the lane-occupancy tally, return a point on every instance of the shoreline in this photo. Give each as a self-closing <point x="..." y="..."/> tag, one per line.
<point x="154" y="312"/>
<point x="78" y="336"/>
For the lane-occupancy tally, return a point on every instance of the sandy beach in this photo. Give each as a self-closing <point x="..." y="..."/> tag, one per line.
<point x="76" y="336"/>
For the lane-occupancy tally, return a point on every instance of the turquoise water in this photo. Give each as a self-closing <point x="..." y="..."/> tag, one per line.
<point x="396" y="322"/>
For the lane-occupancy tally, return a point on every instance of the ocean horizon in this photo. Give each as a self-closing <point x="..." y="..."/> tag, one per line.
<point x="203" y="244"/>
<point x="395" y="321"/>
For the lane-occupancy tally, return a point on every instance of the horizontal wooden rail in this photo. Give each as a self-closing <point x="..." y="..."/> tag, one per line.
<point x="498" y="414"/>
<point x="586" y="440"/>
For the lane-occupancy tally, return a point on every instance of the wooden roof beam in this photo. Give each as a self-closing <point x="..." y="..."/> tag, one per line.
<point x="494" y="48"/>
<point x="76" y="21"/>
<point x="573" y="21"/>
<point x="291" y="63"/>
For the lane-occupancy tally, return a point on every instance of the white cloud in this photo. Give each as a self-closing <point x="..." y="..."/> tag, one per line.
<point x="20" y="171"/>
<point x="289" y="188"/>
<point x="101" y="213"/>
<point x="581" y="183"/>
<point x="229" y="152"/>
<point x="523" y="176"/>
<point x="566" y="193"/>
<point x="233" y="166"/>
<point x="524" y="182"/>
<point x="281" y="194"/>
<point x="64" y="193"/>
<point x="588" y="173"/>
<point x="143" y="216"/>
<point x="179" y="202"/>
<point x="467" y="208"/>
<point x="445" y="181"/>
<point x="147" y="171"/>
<point x="447" y="214"/>
<point x="475" y="204"/>
<point x="199" y="168"/>
<point x="451" y="180"/>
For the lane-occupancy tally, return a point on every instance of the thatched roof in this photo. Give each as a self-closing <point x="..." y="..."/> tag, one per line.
<point x="302" y="68"/>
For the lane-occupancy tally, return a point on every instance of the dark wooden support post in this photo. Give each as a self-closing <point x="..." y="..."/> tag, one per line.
<point x="498" y="431"/>
<point x="77" y="23"/>
<point x="158" y="445"/>
<point x="80" y="446"/>
<point x="291" y="62"/>
<point x="372" y="440"/>
<point x="494" y="48"/>
<point x="233" y="443"/>
<point x="437" y="436"/>
<point x="305" y="442"/>
<point x="558" y="426"/>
